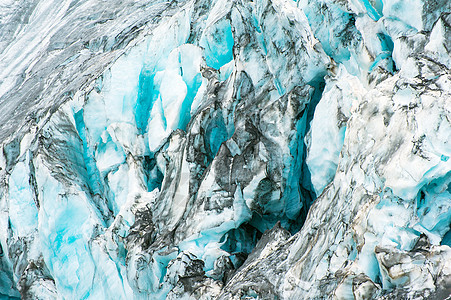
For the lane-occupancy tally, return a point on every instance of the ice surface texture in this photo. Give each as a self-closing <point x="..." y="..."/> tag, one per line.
<point x="197" y="149"/>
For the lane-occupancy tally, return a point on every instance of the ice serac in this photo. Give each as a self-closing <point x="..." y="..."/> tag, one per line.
<point x="195" y="149"/>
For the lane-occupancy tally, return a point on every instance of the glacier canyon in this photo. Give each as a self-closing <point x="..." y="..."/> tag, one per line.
<point x="225" y="149"/>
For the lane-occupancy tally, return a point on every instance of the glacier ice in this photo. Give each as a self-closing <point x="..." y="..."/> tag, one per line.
<point x="23" y="213"/>
<point x="328" y="127"/>
<point x="225" y="149"/>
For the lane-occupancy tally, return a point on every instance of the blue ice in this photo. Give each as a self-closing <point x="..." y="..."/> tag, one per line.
<point x="218" y="42"/>
<point x="23" y="213"/>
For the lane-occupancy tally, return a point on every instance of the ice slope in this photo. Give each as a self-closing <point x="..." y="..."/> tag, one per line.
<point x="173" y="150"/>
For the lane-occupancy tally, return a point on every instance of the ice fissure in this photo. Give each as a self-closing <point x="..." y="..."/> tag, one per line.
<point x="194" y="149"/>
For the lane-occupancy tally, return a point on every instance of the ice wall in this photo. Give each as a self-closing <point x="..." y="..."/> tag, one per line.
<point x="177" y="156"/>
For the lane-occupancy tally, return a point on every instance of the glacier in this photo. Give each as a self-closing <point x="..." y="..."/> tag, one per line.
<point x="195" y="149"/>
